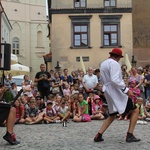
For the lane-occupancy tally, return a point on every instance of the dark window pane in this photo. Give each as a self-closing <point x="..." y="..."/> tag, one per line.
<point x="13" y="45"/>
<point x="17" y="45"/>
<point x="17" y="51"/>
<point x="13" y="51"/>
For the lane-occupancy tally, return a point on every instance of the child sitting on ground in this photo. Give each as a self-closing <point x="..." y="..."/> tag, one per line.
<point x="84" y="115"/>
<point x="57" y="103"/>
<point x="19" y="112"/>
<point x="139" y="104"/>
<point x="76" y="107"/>
<point x="32" y="114"/>
<point x="64" y="111"/>
<point x="97" y="113"/>
<point x="50" y="115"/>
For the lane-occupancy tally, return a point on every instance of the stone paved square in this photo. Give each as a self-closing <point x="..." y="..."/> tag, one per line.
<point x="76" y="136"/>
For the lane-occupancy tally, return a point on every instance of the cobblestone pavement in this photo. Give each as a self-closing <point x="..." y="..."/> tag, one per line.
<point x="76" y="136"/>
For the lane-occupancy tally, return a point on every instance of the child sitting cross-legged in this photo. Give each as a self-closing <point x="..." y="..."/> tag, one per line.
<point x="32" y="114"/>
<point x="19" y="112"/>
<point x="139" y="104"/>
<point x="84" y="115"/>
<point x="97" y="113"/>
<point x="64" y="111"/>
<point x="50" y="115"/>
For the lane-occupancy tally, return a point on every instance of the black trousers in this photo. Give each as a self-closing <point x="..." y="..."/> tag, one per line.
<point x="4" y="111"/>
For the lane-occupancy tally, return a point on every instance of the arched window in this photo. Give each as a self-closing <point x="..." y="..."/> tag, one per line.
<point x="15" y="46"/>
<point x="39" y="39"/>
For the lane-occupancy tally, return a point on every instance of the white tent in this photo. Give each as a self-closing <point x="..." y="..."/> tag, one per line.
<point x="18" y="69"/>
<point x="14" y="59"/>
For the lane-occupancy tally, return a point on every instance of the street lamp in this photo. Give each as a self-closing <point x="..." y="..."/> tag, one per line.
<point x="57" y="67"/>
<point x="133" y="61"/>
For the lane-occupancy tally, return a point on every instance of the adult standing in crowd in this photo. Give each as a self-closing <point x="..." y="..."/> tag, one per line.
<point x="97" y="73"/>
<point x="8" y="81"/>
<point x="69" y="77"/>
<point x="43" y="78"/>
<point x="116" y="94"/>
<point x="89" y="81"/>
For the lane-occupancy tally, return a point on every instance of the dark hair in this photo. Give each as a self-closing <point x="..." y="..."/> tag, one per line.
<point x="114" y="55"/>
<point x="97" y="70"/>
<point x="65" y="69"/>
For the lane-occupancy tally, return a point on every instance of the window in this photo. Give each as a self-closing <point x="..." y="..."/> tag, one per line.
<point x="85" y="59"/>
<point x="110" y="30"/>
<point x="79" y="3"/>
<point x="80" y="31"/>
<point x="80" y="35"/>
<point x="109" y="3"/>
<point x="15" y="46"/>
<point x="110" y="35"/>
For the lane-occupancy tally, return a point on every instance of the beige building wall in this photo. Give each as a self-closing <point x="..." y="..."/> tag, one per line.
<point x="27" y="18"/>
<point x="141" y="32"/>
<point x="61" y="41"/>
<point x="90" y="3"/>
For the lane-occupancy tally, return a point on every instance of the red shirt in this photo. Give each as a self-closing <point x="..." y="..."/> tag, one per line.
<point x="19" y="111"/>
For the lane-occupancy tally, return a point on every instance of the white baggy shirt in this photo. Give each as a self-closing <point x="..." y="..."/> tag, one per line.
<point x="113" y="85"/>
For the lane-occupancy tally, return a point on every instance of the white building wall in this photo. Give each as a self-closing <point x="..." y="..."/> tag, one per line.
<point x="5" y="29"/>
<point x="25" y="16"/>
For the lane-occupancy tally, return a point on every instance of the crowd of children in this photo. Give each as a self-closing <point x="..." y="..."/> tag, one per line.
<point x="68" y="101"/>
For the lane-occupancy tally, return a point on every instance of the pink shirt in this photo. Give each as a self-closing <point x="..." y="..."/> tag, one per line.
<point x="66" y="91"/>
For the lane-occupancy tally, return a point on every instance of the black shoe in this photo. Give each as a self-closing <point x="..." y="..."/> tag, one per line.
<point x="131" y="138"/>
<point x="11" y="139"/>
<point x="98" y="138"/>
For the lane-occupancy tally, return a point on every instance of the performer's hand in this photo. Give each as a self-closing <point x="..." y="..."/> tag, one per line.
<point x="130" y="93"/>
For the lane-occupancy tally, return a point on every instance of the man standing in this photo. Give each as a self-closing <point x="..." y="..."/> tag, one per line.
<point x="89" y="82"/>
<point x="116" y="94"/>
<point x="7" y="114"/>
<point x="43" y="78"/>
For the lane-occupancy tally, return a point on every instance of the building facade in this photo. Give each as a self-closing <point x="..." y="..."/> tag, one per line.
<point x="141" y="34"/>
<point x="29" y="35"/>
<point x="88" y="29"/>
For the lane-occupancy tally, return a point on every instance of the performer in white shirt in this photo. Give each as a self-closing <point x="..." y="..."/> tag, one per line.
<point x="117" y="95"/>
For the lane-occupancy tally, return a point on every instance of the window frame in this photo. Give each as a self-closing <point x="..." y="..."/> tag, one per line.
<point x="80" y="1"/>
<point x="110" y="3"/>
<point x="110" y="20"/>
<point x="80" y="21"/>
<point x="16" y="46"/>
<point x="110" y="33"/>
<point x="80" y="33"/>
